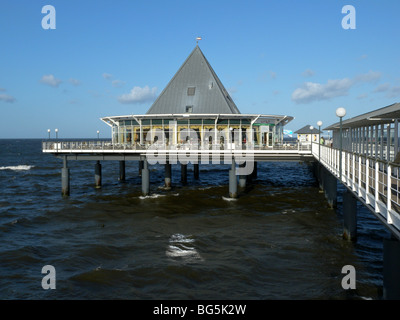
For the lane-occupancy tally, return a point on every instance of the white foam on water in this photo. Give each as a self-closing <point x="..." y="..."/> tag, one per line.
<point x="178" y="237"/>
<point x="17" y="168"/>
<point x="229" y="199"/>
<point x="153" y="196"/>
<point x="178" y="248"/>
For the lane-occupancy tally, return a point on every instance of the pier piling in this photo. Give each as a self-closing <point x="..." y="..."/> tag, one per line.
<point x="242" y="178"/>
<point x="140" y="167"/>
<point x="196" y="171"/>
<point x="97" y="174"/>
<point x="65" y="184"/>
<point x="233" y="181"/>
<point x="349" y="216"/>
<point x="391" y="269"/>
<point x="122" y="170"/>
<point x="330" y="185"/>
<point x="183" y="173"/>
<point x="145" y="178"/>
<point x="168" y="175"/>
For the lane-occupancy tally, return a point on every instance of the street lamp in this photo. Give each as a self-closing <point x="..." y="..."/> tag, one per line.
<point x="340" y="112"/>
<point x="98" y="132"/>
<point x="56" y="130"/>
<point x="319" y="124"/>
<point x="48" y="131"/>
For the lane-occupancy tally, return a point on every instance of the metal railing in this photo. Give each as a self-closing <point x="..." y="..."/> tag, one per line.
<point x="107" y="145"/>
<point x="376" y="182"/>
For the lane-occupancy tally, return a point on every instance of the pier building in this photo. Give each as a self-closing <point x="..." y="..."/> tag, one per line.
<point x="194" y="120"/>
<point x="196" y="110"/>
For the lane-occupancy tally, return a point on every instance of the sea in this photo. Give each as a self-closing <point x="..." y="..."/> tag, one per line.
<point x="279" y="240"/>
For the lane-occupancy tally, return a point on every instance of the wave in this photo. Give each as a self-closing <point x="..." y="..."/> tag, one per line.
<point x="153" y="196"/>
<point x="229" y="199"/>
<point x="17" y="168"/>
<point x="178" y="248"/>
<point x="156" y="195"/>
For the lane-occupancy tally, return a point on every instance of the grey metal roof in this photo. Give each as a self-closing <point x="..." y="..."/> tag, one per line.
<point x="306" y="130"/>
<point x="209" y="96"/>
<point x="382" y="115"/>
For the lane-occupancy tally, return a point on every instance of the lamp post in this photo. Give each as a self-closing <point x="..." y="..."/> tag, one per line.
<point x="340" y="112"/>
<point x="311" y="129"/>
<point x="56" y="130"/>
<point x="48" y="131"/>
<point x="98" y="132"/>
<point x="319" y="124"/>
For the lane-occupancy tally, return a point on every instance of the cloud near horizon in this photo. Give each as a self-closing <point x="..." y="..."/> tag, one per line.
<point x="7" y="98"/>
<point x="50" y="80"/>
<point x="139" y="95"/>
<point x="311" y="91"/>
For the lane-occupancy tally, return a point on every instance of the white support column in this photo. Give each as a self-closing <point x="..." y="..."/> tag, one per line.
<point x="359" y="177"/>
<point x="349" y="181"/>
<point x="388" y="142"/>
<point x="381" y="152"/>
<point x="376" y="141"/>
<point x="389" y="194"/>
<point x="396" y="137"/>
<point x="367" y="180"/>
<point x="376" y="185"/>
<point x="140" y="132"/>
<point x="354" y="172"/>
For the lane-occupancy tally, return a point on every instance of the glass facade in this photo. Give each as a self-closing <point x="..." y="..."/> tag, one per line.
<point x="171" y="131"/>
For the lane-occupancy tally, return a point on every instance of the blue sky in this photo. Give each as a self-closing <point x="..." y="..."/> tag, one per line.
<point x="114" y="57"/>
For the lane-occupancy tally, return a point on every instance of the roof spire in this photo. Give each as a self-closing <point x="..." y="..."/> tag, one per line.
<point x="197" y="40"/>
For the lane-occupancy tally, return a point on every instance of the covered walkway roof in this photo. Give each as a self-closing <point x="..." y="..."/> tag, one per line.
<point x="383" y="115"/>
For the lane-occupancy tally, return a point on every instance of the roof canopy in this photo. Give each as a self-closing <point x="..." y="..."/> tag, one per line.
<point x="383" y="115"/>
<point x="254" y="118"/>
<point x="306" y="130"/>
<point x="195" y="88"/>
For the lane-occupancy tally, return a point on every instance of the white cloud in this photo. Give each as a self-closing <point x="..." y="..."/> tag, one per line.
<point x="371" y="76"/>
<point x="7" y="98"/>
<point x="315" y="91"/>
<point x="362" y="96"/>
<point x="311" y="91"/>
<point x="308" y="73"/>
<point x="394" y="92"/>
<point x="382" y="87"/>
<point x="118" y="83"/>
<point x="75" y="82"/>
<point x="107" y="76"/>
<point x="391" y="91"/>
<point x="266" y="75"/>
<point x="138" y="95"/>
<point x="50" y="80"/>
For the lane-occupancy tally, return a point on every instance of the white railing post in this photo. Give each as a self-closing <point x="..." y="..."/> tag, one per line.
<point x="349" y="181"/>
<point x="359" y="176"/>
<point x="389" y="193"/>
<point x="376" y="185"/>
<point x="367" y="180"/>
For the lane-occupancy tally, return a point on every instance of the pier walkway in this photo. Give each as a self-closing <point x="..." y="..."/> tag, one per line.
<point x="373" y="181"/>
<point x="105" y="150"/>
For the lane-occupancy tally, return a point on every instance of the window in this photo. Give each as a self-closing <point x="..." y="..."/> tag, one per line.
<point x="189" y="109"/>
<point x="191" y="91"/>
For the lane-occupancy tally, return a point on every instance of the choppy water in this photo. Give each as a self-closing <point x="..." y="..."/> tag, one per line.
<point x="278" y="240"/>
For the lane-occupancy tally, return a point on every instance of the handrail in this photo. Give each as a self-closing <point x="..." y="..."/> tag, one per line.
<point x="107" y="145"/>
<point x="374" y="181"/>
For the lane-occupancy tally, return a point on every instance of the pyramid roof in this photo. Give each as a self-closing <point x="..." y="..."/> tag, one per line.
<point x="195" y="88"/>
